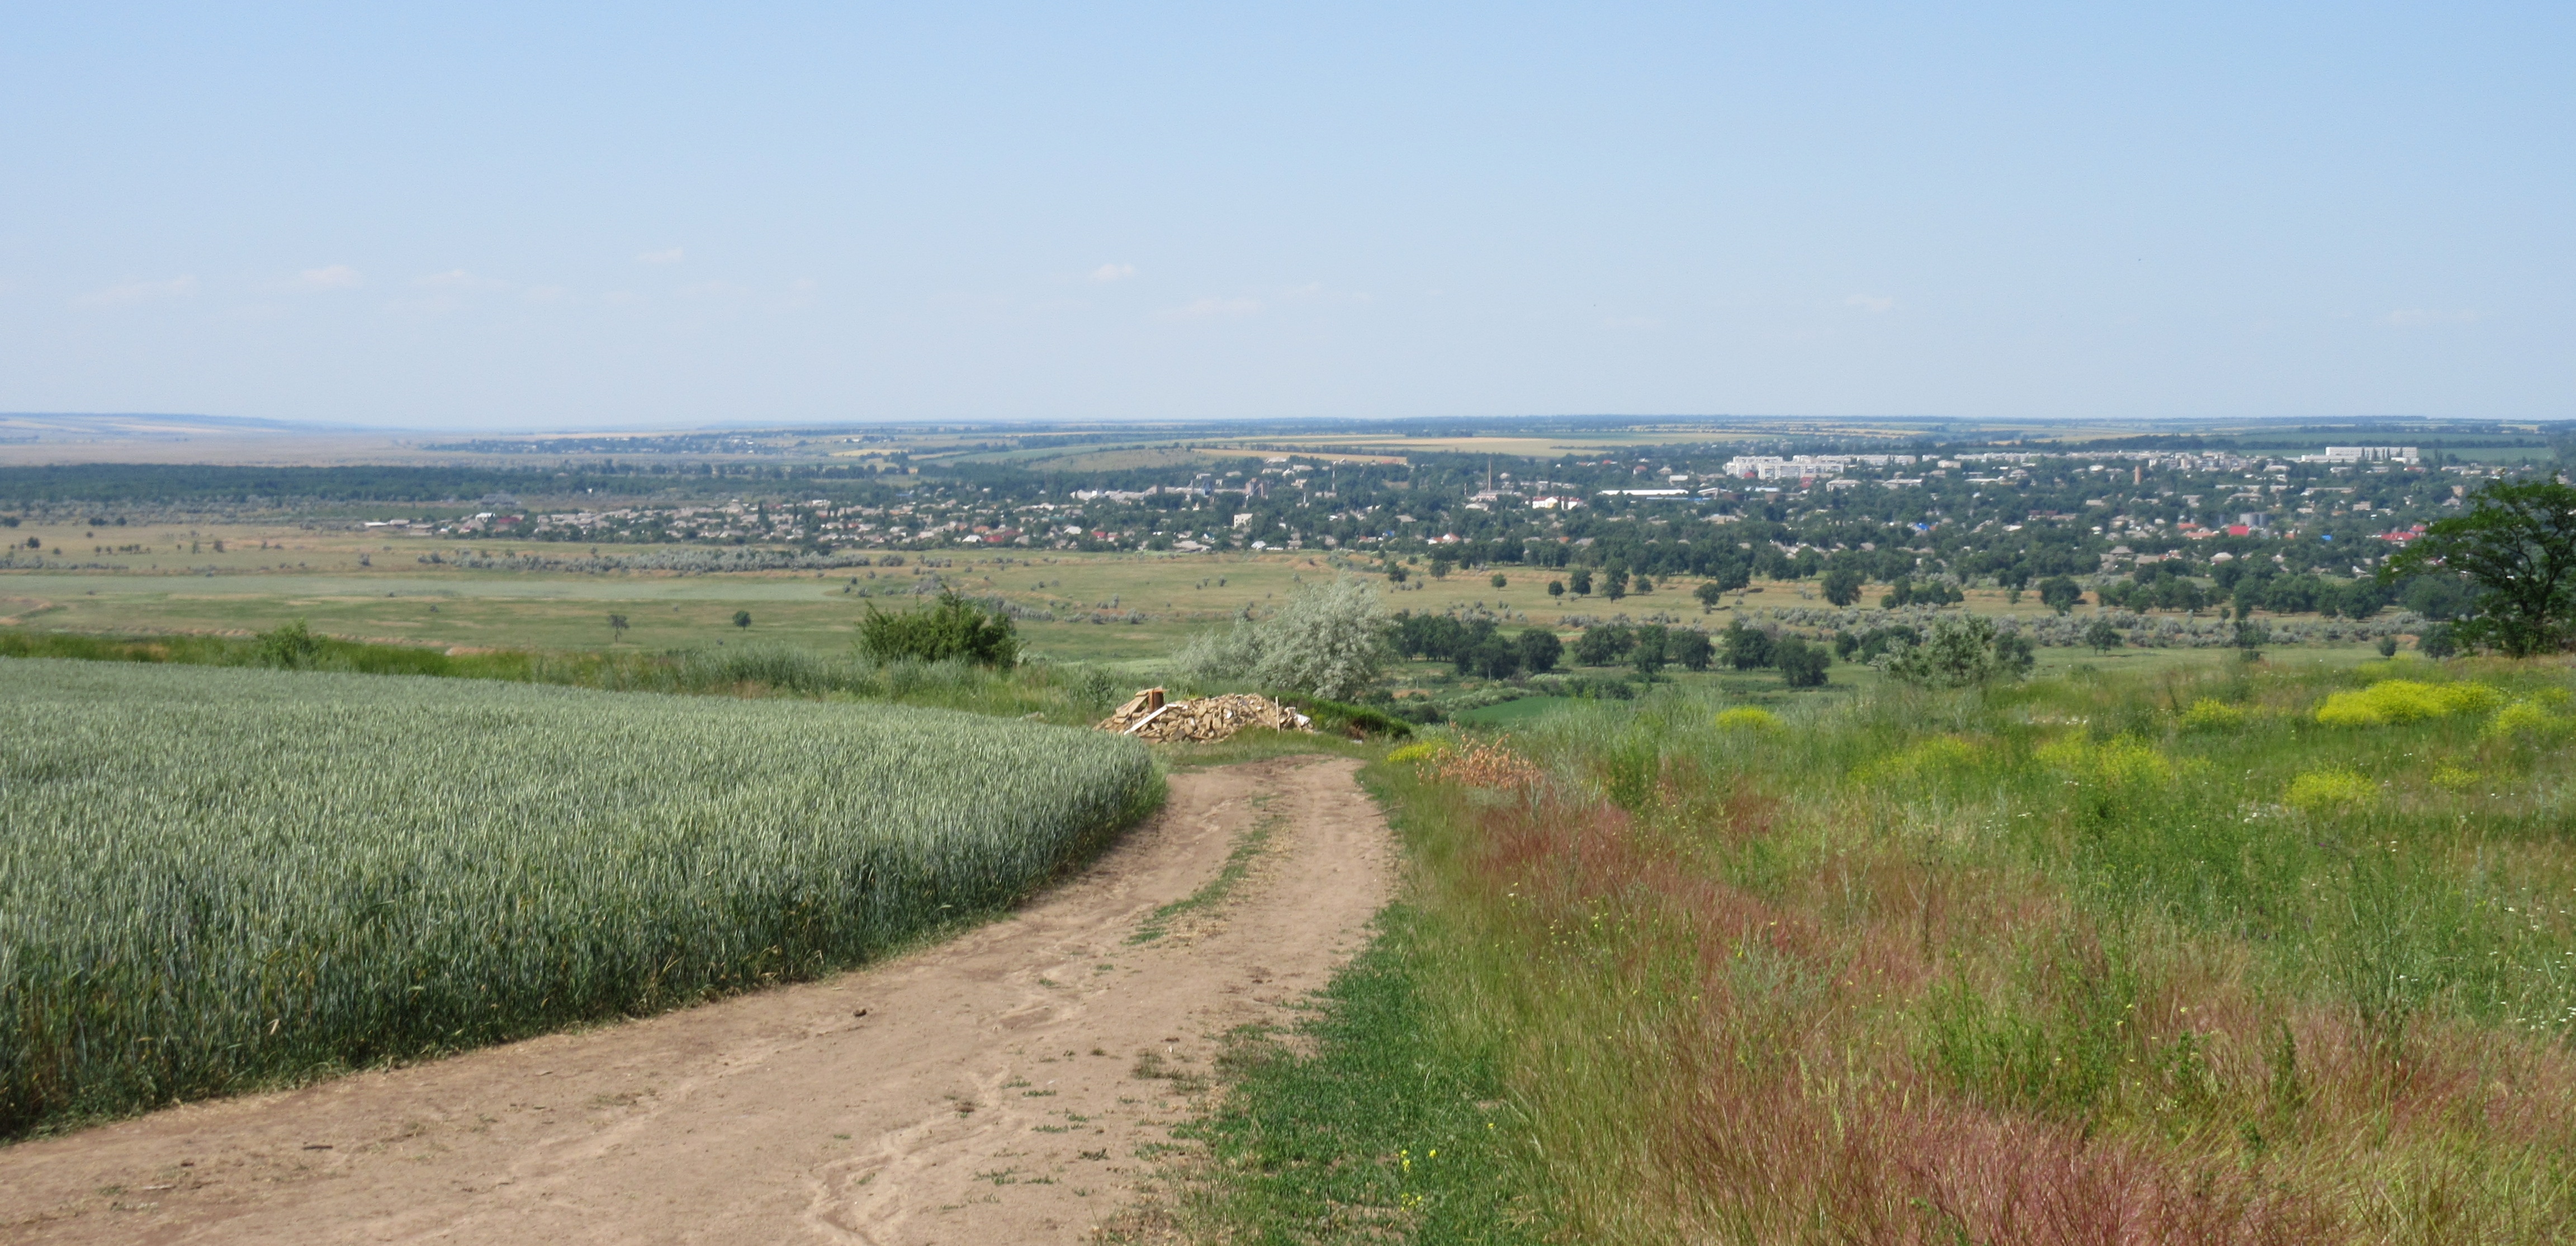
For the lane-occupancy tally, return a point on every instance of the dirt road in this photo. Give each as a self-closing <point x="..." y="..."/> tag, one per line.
<point x="1009" y="1086"/>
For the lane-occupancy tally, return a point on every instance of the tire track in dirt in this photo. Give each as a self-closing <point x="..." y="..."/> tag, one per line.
<point x="1010" y="1085"/>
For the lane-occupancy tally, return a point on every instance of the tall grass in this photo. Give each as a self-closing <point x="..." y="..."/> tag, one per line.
<point x="212" y="879"/>
<point x="1066" y="694"/>
<point x="2113" y="960"/>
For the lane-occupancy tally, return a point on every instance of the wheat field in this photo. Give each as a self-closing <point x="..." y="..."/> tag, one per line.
<point x="214" y="879"/>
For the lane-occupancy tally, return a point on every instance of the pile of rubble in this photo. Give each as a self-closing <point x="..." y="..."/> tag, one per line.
<point x="1151" y="717"/>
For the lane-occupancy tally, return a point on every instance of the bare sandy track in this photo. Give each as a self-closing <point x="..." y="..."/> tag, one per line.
<point x="999" y="1088"/>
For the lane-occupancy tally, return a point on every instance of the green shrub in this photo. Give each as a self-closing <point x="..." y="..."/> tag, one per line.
<point x="1329" y="641"/>
<point x="290" y="646"/>
<point x="1962" y="650"/>
<point x="952" y="627"/>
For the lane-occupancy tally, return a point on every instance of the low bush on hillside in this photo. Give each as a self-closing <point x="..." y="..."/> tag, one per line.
<point x="951" y="629"/>
<point x="1330" y="640"/>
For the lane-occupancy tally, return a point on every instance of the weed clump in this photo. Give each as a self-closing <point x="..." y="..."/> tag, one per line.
<point x="2331" y="791"/>
<point x="2124" y="762"/>
<point x="2393" y="701"/>
<point x="2529" y="720"/>
<point x="2212" y="714"/>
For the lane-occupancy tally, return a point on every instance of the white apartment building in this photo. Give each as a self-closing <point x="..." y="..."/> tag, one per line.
<point x="2365" y="454"/>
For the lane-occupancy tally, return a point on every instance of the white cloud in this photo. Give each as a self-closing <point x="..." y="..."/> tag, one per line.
<point x="459" y="279"/>
<point x="2417" y="317"/>
<point x="1874" y="304"/>
<point x="335" y="277"/>
<point x="1113" y="272"/>
<point x="714" y="290"/>
<point x="1213" y="309"/>
<point x="672" y="256"/>
<point x="134" y="292"/>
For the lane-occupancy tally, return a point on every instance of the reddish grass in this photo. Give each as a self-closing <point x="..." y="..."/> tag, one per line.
<point x="1813" y="1117"/>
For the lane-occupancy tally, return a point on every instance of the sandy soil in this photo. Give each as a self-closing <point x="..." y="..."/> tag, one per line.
<point x="1012" y="1085"/>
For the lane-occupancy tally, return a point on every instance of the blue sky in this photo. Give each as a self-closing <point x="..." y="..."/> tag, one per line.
<point x="524" y="216"/>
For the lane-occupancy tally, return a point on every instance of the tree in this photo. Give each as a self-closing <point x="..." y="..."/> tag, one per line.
<point x="1802" y="665"/>
<point x="1690" y="650"/>
<point x="1843" y="585"/>
<point x="1614" y="584"/>
<point x="617" y="626"/>
<point x="742" y="618"/>
<point x="1963" y="649"/>
<point x="1556" y="588"/>
<point x="2440" y="597"/>
<point x="1540" y="650"/>
<point x="2101" y="635"/>
<point x="2518" y="542"/>
<point x="1492" y="657"/>
<point x="1708" y="592"/>
<point x="1395" y="573"/>
<point x="1602" y="645"/>
<point x="1499" y="581"/>
<point x="1747" y="648"/>
<point x="2060" y="593"/>
<point x="1440" y="565"/>
<point x="2437" y="642"/>
<point x="2252" y="635"/>
<point x="1580" y="581"/>
<point x="1648" y="651"/>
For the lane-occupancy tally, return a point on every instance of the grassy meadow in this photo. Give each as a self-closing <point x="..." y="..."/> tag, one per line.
<point x="214" y="879"/>
<point x="1147" y="605"/>
<point x="2240" y="952"/>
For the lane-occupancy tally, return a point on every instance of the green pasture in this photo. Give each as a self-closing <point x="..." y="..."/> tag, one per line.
<point x="268" y="574"/>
